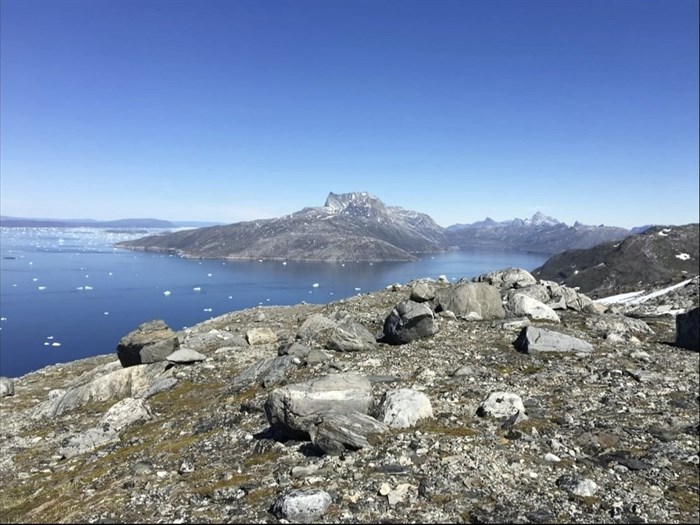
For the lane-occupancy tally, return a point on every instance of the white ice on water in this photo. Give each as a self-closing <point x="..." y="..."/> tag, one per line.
<point x="683" y="256"/>
<point x="41" y="287"/>
<point x="167" y="293"/>
<point x="207" y="309"/>
<point x="315" y="285"/>
<point x="197" y="289"/>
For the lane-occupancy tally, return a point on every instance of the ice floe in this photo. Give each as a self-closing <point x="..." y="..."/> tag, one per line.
<point x="208" y="275"/>
<point x="315" y="285"/>
<point x="35" y="279"/>
<point x="683" y="256"/>
<point x="197" y="289"/>
<point x="357" y="289"/>
<point x="207" y="309"/>
<point x="55" y="343"/>
<point x="167" y="293"/>
<point x="41" y="287"/>
<point x="106" y="313"/>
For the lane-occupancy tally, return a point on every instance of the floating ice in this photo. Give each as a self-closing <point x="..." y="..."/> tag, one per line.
<point x="3" y="318"/>
<point x="106" y="313"/>
<point x="358" y="289"/>
<point x="208" y="275"/>
<point x="41" y="287"/>
<point x="683" y="256"/>
<point x="49" y="337"/>
<point x="230" y="296"/>
<point x="315" y="285"/>
<point x="55" y="344"/>
<point x="34" y="279"/>
<point x="259" y="260"/>
<point x="284" y="263"/>
<point x="207" y="309"/>
<point x="30" y="262"/>
<point x="88" y="287"/>
<point x="110" y="273"/>
<point x="166" y="292"/>
<point x="46" y="343"/>
<point x="197" y="289"/>
<point x="79" y="288"/>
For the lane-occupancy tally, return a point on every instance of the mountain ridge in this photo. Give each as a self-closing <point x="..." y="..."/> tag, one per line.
<point x="359" y="226"/>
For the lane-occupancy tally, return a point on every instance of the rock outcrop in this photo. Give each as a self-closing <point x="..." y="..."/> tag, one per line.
<point x="507" y="420"/>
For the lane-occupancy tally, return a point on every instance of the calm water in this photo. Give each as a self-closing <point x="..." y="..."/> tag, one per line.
<point x="67" y="293"/>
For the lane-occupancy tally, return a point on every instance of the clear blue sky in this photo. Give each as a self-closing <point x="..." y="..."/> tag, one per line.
<point x="238" y="110"/>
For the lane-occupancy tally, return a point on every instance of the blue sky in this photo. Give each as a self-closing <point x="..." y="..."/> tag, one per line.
<point x="238" y="110"/>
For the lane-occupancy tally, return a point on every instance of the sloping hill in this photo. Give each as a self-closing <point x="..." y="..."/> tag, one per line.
<point x="659" y="255"/>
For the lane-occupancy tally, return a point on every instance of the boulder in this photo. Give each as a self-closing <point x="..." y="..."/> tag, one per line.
<point x="507" y="278"/>
<point x="521" y="304"/>
<point x="342" y="333"/>
<point x="477" y="300"/>
<point x="422" y="292"/>
<point x="150" y="342"/>
<point x="87" y="441"/>
<point x="688" y="329"/>
<point x="185" y="355"/>
<point x="7" y="386"/>
<point x="260" y="336"/>
<point x="302" y="505"/>
<point x="501" y="404"/>
<point x="133" y="381"/>
<point x="403" y="407"/>
<point x="333" y="433"/>
<point x="265" y="372"/>
<point x="408" y="321"/>
<point x="533" y="339"/>
<point x="539" y="292"/>
<point x="124" y="413"/>
<point x="620" y="324"/>
<point x="295" y="408"/>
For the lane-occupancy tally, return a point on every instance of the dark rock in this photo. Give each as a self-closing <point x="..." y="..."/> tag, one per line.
<point x="688" y="329"/>
<point x="408" y="321"/>
<point x="150" y="342"/>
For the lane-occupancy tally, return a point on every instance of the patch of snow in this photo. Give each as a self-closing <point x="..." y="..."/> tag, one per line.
<point x="683" y="256"/>
<point x="638" y="297"/>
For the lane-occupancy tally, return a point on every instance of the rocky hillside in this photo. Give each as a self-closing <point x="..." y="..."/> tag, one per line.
<point x="503" y="400"/>
<point x="349" y="227"/>
<point x="660" y="255"/>
<point x="539" y="234"/>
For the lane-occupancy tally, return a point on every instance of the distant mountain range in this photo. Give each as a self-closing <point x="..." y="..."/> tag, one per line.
<point x="26" y="222"/>
<point x="359" y="226"/>
<point x="538" y="234"/>
<point x="659" y="255"/>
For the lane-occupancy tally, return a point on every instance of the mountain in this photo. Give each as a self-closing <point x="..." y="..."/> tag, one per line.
<point x="538" y="234"/>
<point x="660" y="255"/>
<point x="79" y="223"/>
<point x="348" y="227"/>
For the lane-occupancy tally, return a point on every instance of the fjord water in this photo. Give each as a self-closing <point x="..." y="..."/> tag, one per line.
<point x="68" y="293"/>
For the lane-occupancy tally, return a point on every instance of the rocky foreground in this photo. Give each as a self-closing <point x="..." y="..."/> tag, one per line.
<point x="500" y="400"/>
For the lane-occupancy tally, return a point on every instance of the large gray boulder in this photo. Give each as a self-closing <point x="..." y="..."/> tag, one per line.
<point x="620" y="324"/>
<point x="507" y="278"/>
<point x="404" y="407"/>
<point x="150" y="342"/>
<point x="408" y="321"/>
<point x="533" y="339"/>
<point x="688" y="329"/>
<point x="335" y="432"/>
<point x="474" y="300"/>
<point x="341" y="333"/>
<point x="295" y="408"/>
<point x="124" y="413"/>
<point x="133" y="381"/>
<point x="422" y="292"/>
<point x="524" y="305"/>
<point x="536" y="291"/>
<point x="265" y="372"/>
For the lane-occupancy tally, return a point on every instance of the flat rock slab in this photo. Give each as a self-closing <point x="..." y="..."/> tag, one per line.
<point x="521" y="304"/>
<point x="334" y="433"/>
<point x="185" y="355"/>
<point x="533" y="339"/>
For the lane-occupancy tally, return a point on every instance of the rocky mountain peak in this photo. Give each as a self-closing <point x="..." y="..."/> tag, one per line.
<point x="358" y="204"/>
<point x="540" y="219"/>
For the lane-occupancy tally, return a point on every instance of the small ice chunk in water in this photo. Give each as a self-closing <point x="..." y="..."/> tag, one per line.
<point x="3" y="318"/>
<point x="357" y="289"/>
<point x="230" y="296"/>
<point x="79" y="288"/>
<point x="49" y="337"/>
<point x="166" y="292"/>
<point x="41" y="287"/>
<point x="88" y="287"/>
<point x="46" y="343"/>
<point x="207" y="309"/>
<point x="315" y="285"/>
<point x="683" y="256"/>
<point x="110" y="273"/>
<point x="106" y="313"/>
<point x="55" y="344"/>
<point x="30" y="262"/>
<point x="284" y="263"/>
<point x="34" y="279"/>
<point x="208" y="275"/>
<point x="197" y="288"/>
